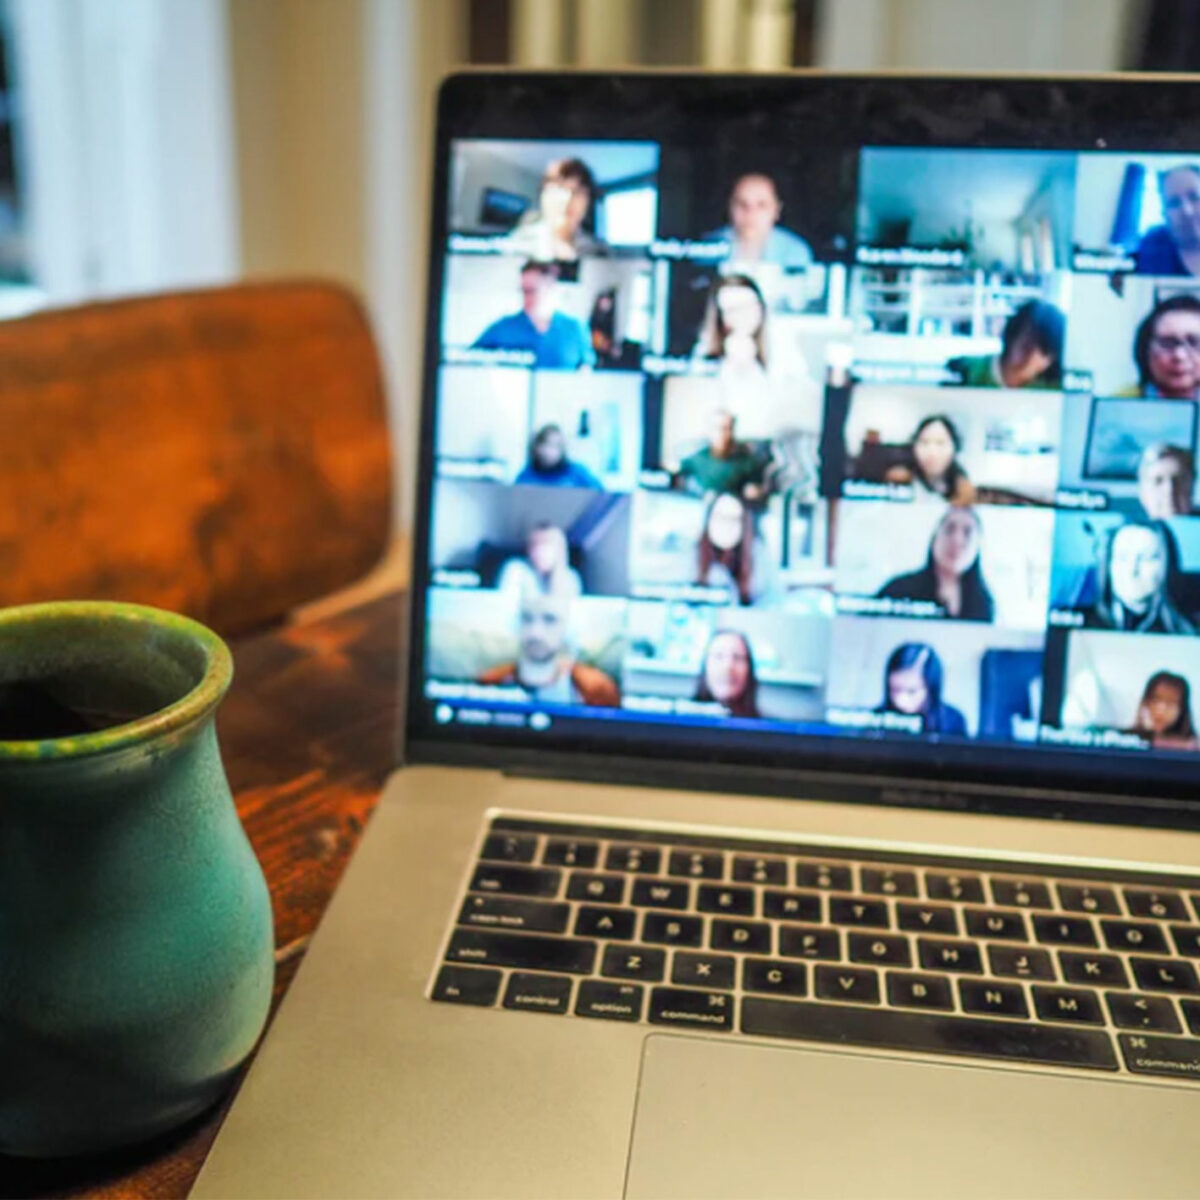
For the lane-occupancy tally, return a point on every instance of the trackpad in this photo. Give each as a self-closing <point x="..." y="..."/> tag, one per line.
<point x="739" y="1119"/>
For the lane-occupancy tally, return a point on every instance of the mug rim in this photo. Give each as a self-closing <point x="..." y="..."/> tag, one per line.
<point x="190" y="709"/>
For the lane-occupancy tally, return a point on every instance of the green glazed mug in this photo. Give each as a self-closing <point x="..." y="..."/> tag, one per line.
<point x="136" y="945"/>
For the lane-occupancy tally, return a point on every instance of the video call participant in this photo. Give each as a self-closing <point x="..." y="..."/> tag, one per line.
<point x="546" y="567"/>
<point x="558" y="341"/>
<point x="754" y="232"/>
<point x="1030" y="355"/>
<point x="1138" y="581"/>
<point x="1174" y="247"/>
<point x="724" y="465"/>
<point x="951" y="576"/>
<point x="727" y="674"/>
<point x="933" y="464"/>
<point x="554" y="230"/>
<point x="1166" y="481"/>
<point x="912" y="685"/>
<point x="1164" y="713"/>
<point x="545" y="667"/>
<point x="734" y="329"/>
<point x="1166" y="351"/>
<point x="549" y="466"/>
<point x="728" y="555"/>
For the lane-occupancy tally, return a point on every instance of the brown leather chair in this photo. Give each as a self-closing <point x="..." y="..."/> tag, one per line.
<point x="221" y="453"/>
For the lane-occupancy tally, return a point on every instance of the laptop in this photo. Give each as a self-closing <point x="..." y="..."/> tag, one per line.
<point x="799" y="787"/>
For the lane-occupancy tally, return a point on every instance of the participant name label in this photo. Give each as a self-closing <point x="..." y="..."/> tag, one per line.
<point x="885" y="606"/>
<point x="1081" y="498"/>
<point x="699" y="251"/>
<point x="1105" y="739"/>
<point x="1108" y="261"/>
<point x="470" y="356"/>
<point x="910" y="256"/>
<point x="862" y="718"/>
<point x="862" y="489"/>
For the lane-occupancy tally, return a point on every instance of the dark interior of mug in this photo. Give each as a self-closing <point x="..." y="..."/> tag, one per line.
<point x="69" y="673"/>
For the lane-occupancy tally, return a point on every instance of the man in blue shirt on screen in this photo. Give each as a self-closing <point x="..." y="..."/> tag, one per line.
<point x="557" y="340"/>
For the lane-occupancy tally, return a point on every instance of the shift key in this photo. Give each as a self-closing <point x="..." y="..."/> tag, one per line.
<point x="525" y="951"/>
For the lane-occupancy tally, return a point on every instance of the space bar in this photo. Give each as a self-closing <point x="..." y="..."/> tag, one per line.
<point x="925" y="1033"/>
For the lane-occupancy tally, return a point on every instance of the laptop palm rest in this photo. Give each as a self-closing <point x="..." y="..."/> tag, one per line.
<point x="724" y="1120"/>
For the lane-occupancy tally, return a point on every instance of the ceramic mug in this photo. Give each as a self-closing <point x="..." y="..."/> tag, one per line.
<point x="136" y="947"/>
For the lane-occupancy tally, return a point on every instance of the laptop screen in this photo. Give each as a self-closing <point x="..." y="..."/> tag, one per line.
<point x="840" y="426"/>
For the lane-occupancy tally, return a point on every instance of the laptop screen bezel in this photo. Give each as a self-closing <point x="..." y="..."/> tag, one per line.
<point x="1013" y="112"/>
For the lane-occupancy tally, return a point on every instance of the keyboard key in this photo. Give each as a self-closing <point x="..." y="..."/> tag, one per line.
<point x="697" y="864"/>
<point x="702" y="970"/>
<point x="888" y="882"/>
<point x="1064" y="931"/>
<point x="661" y="893"/>
<point x="642" y="860"/>
<point x="795" y="906"/>
<point x="1088" y="898"/>
<point x="1130" y="1011"/>
<point x="747" y="937"/>
<point x="967" y="888"/>
<point x="1134" y="935"/>
<point x="800" y="941"/>
<point x="614" y="923"/>
<point x="851" y="984"/>
<point x="685" y="1007"/>
<point x="1194" y="897"/>
<point x="1164" y="975"/>
<point x="1003" y="926"/>
<point x="501" y="912"/>
<point x="909" y="990"/>
<point x="1158" y="906"/>
<point x="1176" y="1058"/>
<point x="928" y="1033"/>
<point x="509" y="847"/>
<point x="529" y="951"/>
<point x="770" y="975"/>
<point x="601" y="889"/>
<point x="823" y="876"/>
<point x="538" y="993"/>
<point x="760" y="870"/>
<point x="1191" y="1014"/>
<point x="732" y="901"/>
<point x="670" y="930"/>
<point x="1067" y="1004"/>
<point x="880" y="949"/>
<point x="993" y="999"/>
<point x="561" y="852"/>
<point x="1020" y="893"/>
<point x="844" y="911"/>
<point x="467" y="985"/>
<point x="516" y="881"/>
<point x="950" y="956"/>
<point x="1100" y="970"/>
<point x="1186" y="939"/>
<point x="1017" y="962"/>
<point x="609" y="1001"/>
<point x="633" y="962"/>
<point x="926" y="918"/>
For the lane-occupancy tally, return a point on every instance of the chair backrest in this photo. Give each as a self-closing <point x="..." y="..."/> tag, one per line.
<point x="221" y="453"/>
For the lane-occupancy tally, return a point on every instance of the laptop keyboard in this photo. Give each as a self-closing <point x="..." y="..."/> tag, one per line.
<point x="927" y="954"/>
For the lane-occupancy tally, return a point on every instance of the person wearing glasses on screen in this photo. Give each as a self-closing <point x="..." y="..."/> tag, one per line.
<point x="1166" y="351"/>
<point x="1166" y="481"/>
<point x="1173" y="248"/>
<point x="554" y="232"/>
<point x="1138" y="576"/>
<point x="557" y="340"/>
<point x="754" y="233"/>
<point x="727" y="674"/>
<point x="1031" y="350"/>
<point x="912" y="686"/>
<point x="951" y="576"/>
<point x="932" y="465"/>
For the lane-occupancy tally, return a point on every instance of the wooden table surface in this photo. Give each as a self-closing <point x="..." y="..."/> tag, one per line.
<point x="309" y="732"/>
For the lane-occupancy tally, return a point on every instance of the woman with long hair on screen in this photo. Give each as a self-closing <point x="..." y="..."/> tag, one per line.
<point x="727" y="674"/>
<point x="1166" y="351"/>
<point x="933" y="466"/>
<point x="1138" y="575"/>
<point x="951" y="576"/>
<point x="726" y="550"/>
<point x="734" y="330"/>
<point x="1164" y="713"/>
<point x="912" y="686"/>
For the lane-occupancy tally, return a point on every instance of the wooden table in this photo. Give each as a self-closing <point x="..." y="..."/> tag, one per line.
<point x="309" y="732"/>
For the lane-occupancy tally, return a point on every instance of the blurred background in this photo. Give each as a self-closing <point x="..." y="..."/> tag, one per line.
<point x="163" y="144"/>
